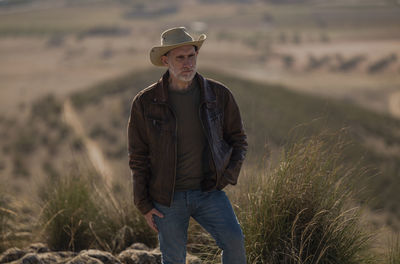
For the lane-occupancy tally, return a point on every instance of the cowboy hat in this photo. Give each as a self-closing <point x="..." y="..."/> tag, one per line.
<point x="171" y="39"/>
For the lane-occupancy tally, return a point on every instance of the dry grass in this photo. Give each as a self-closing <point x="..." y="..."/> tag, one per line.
<point x="393" y="253"/>
<point x="7" y="216"/>
<point x="302" y="212"/>
<point x="79" y="212"/>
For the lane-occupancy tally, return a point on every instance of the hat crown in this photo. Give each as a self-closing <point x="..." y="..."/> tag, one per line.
<point x="175" y="36"/>
<point x="171" y="39"/>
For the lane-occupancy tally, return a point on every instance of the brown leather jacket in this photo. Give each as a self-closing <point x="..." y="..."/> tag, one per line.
<point x="152" y="141"/>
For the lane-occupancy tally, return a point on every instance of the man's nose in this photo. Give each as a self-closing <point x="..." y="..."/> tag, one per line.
<point x="188" y="62"/>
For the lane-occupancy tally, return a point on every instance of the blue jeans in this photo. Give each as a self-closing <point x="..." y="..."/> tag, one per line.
<point x="213" y="211"/>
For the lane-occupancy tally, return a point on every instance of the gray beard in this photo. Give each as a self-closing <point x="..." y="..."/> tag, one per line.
<point x="183" y="78"/>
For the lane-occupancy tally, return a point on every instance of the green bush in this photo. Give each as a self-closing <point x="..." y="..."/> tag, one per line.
<point x="303" y="212"/>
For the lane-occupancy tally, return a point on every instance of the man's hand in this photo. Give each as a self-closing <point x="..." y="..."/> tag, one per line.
<point x="150" y="219"/>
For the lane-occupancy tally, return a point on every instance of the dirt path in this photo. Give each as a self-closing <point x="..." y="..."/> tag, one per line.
<point x="394" y="104"/>
<point x="94" y="152"/>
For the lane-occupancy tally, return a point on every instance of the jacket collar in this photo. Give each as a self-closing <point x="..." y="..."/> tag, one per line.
<point x="207" y="94"/>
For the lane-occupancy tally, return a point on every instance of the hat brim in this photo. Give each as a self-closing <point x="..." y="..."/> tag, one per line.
<point x="157" y="52"/>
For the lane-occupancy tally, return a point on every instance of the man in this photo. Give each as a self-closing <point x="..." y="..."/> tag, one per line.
<point x="186" y="143"/>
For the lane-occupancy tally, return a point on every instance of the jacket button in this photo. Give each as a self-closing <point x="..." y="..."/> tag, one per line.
<point x="155" y="100"/>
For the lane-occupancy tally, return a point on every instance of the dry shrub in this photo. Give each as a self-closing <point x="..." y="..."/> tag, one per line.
<point x="79" y="212"/>
<point x="303" y="211"/>
<point x="69" y="208"/>
<point x="7" y="222"/>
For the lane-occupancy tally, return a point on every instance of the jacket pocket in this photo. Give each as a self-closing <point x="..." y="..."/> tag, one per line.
<point x="157" y="123"/>
<point x="225" y="153"/>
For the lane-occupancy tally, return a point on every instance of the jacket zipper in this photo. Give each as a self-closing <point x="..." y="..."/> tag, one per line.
<point x="176" y="150"/>
<point x="209" y="144"/>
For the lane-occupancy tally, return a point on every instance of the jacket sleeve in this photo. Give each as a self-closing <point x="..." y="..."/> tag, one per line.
<point x="138" y="151"/>
<point x="234" y="135"/>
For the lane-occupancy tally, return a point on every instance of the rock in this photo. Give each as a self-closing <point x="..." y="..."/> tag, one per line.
<point x="84" y="259"/>
<point x="139" y="246"/>
<point x="39" y="253"/>
<point x="50" y="257"/>
<point x="190" y="259"/>
<point x="104" y="257"/>
<point x="40" y="258"/>
<point x="38" y="248"/>
<point x="137" y="256"/>
<point x="30" y="258"/>
<point x="66" y="254"/>
<point x="11" y="254"/>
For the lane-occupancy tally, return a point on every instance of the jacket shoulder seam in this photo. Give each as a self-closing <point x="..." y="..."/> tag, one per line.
<point x="145" y="91"/>
<point x="219" y="87"/>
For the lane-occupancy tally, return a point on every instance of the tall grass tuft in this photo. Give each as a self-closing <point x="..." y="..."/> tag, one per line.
<point x="393" y="253"/>
<point x="6" y="221"/>
<point x="79" y="212"/>
<point x="120" y="223"/>
<point x="68" y="211"/>
<point x="303" y="212"/>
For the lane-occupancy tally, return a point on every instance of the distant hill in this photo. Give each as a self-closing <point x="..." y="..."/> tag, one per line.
<point x="359" y="3"/>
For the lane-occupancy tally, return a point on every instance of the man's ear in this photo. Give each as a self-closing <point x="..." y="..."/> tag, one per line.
<point x="164" y="60"/>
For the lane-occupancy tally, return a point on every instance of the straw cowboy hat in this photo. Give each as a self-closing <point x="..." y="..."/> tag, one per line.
<point x="171" y="39"/>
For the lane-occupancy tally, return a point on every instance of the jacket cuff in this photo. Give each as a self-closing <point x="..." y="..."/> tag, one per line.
<point x="223" y="182"/>
<point x="230" y="176"/>
<point x="145" y="207"/>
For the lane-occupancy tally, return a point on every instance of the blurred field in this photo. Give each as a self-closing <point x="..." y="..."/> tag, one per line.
<point x="326" y="64"/>
<point x="63" y="46"/>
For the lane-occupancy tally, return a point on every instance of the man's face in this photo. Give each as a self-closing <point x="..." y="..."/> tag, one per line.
<point x="181" y="62"/>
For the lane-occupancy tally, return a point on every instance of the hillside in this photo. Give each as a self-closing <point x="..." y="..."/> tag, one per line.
<point x="273" y="116"/>
<point x="54" y="140"/>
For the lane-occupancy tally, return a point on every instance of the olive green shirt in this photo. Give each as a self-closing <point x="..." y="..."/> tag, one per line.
<point x="191" y="141"/>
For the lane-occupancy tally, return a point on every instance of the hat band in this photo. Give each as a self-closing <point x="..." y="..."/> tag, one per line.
<point x="171" y="42"/>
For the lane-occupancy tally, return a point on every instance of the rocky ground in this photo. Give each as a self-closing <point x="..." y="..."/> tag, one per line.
<point x="39" y="253"/>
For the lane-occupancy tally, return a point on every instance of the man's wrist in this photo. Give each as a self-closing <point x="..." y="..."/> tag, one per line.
<point x="145" y="208"/>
